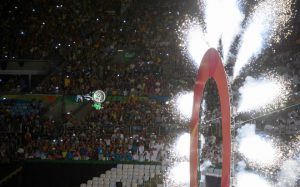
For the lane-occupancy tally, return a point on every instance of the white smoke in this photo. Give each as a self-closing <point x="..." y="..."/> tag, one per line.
<point x="289" y="173"/>
<point x="196" y="43"/>
<point x="182" y="148"/>
<point x="213" y="15"/>
<point x="267" y="20"/>
<point x="256" y="149"/>
<point x="203" y="109"/>
<point x="262" y="154"/>
<point x="179" y="175"/>
<point x="261" y="93"/>
<point x="203" y="168"/>
<point x="233" y="16"/>
<point x="219" y="14"/>
<point x="251" y="45"/>
<point x="192" y="41"/>
<point x="202" y="142"/>
<point x="205" y="165"/>
<point x="249" y="179"/>
<point x="183" y="102"/>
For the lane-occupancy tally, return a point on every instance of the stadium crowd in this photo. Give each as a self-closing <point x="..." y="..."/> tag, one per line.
<point x="116" y="147"/>
<point x="101" y="136"/>
<point x="87" y="36"/>
<point x="121" y="49"/>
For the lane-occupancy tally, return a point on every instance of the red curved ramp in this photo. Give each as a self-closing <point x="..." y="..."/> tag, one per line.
<point x="211" y="67"/>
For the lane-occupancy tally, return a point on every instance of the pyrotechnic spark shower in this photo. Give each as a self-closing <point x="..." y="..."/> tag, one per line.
<point x="178" y="173"/>
<point x="266" y="22"/>
<point x="193" y="41"/>
<point x="183" y="104"/>
<point x="223" y="20"/>
<point x="263" y="93"/>
<point x="247" y="179"/>
<point x="266" y="25"/>
<point x="256" y="149"/>
<point x="181" y="148"/>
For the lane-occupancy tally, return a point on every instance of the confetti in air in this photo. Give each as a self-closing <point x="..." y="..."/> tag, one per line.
<point x="265" y="24"/>
<point x="262" y="93"/>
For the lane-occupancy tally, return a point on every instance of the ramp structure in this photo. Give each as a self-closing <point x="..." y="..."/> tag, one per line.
<point x="211" y="67"/>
